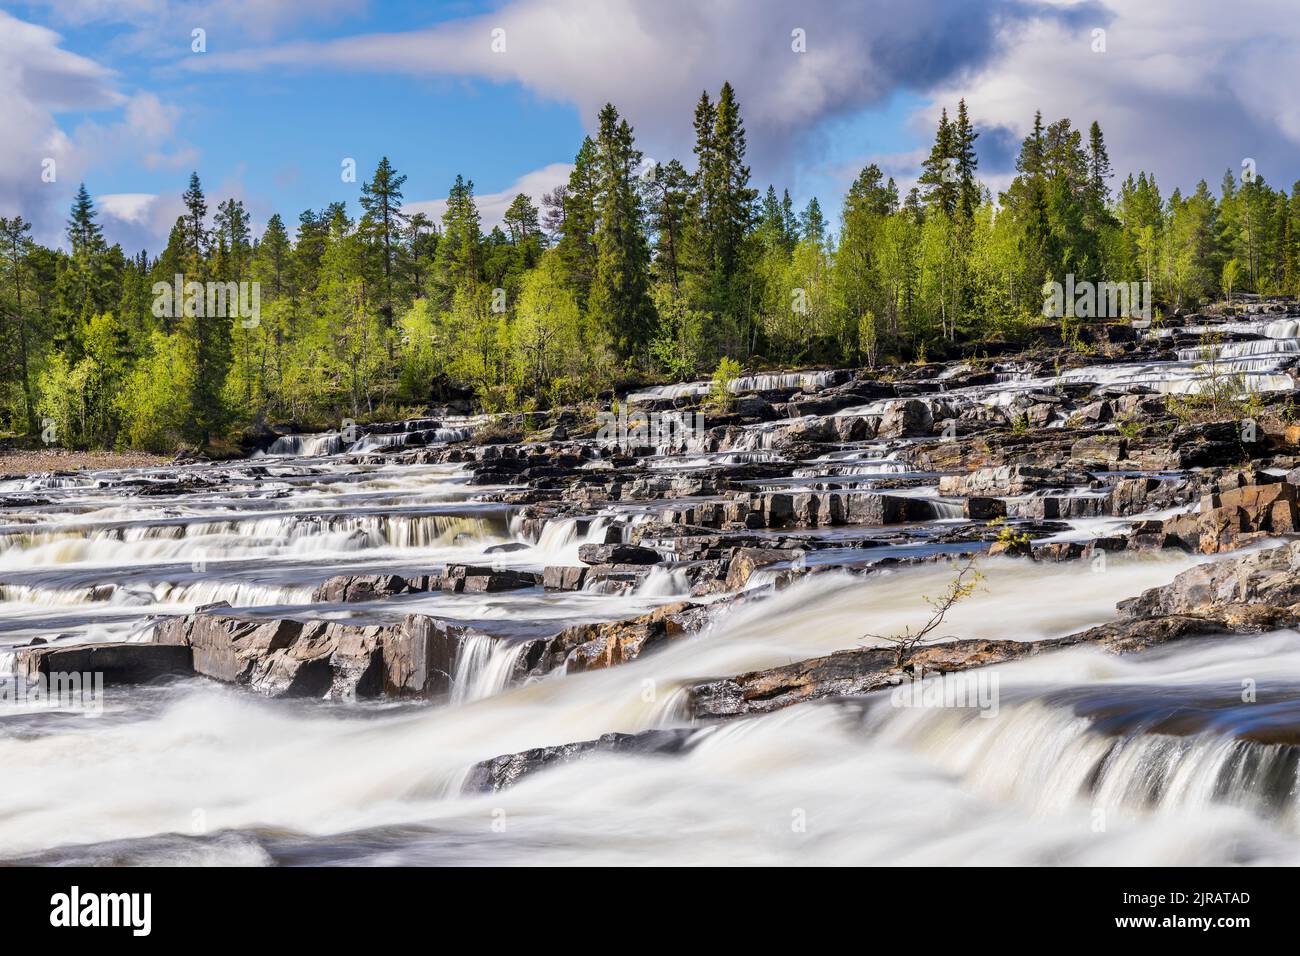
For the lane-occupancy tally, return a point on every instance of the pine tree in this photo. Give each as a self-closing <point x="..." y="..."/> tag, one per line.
<point x="620" y="300"/>
<point x="196" y="236"/>
<point x="669" y="195"/>
<point x="964" y="136"/>
<point x="16" y="247"/>
<point x="85" y="286"/>
<point x="722" y="214"/>
<point x="812" y="224"/>
<point x="208" y="336"/>
<point x="381" y="224"/>
<point x="576" y="245"/>
<point x="84" y="234"/>
<point x="459" y="259"/>
<point x="939" y="173"/>
<point x="232" y="232"/>
<point x="1098" y="167"/>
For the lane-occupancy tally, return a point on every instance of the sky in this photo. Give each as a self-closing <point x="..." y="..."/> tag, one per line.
<point x="272" y="97"/>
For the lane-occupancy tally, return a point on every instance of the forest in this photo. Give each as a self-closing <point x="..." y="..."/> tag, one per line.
<point x="630" y="271"/>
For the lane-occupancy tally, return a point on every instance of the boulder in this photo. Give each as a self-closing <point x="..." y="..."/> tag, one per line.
<point x="603" y="644"/>
<point x="490" y="776"/>
<point x="120" y="663"/>
<point x="344" y="588"/>
<point x="1255" y="590"/>
<point x="1232" y="518"/>
<point x="981" y="508"/>
<point x="617" y="554"/>
<point x="745" y="561"/>
<point x="906" y="419"/>
<point x="287" y="658"/>
<point x="876" y="509"/>
<point x="999" y="480"/>
<point x="460" y="578"/>
<point x="562" y="577"/>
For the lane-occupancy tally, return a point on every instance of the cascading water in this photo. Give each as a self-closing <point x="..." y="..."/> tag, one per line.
<point x="1163" y="747"/>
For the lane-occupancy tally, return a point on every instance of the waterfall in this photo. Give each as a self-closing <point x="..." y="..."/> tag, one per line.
<point x="305" y="446"/>
<point x="664" y="582"/>
<point x="484" y="667"/>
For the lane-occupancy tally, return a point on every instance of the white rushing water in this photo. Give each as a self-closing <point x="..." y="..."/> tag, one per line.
<point x="903" y="785"/>
<point x="1079" y="760"/>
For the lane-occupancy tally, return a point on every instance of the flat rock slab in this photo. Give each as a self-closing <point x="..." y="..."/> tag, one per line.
<point x="490" y="776"/>
<point x="120" y="663"/>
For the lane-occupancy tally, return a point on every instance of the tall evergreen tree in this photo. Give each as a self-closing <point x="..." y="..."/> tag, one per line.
<point x="963" y="146"/>
<point x="381" y="224"/>
<point x="459" y="260"/>
<point x="16" y="248"/>
<point x="939" y="173"/>
<point x="576" y="244"/>
<point x="812" y="224"/>
<point x="620" y="291"/>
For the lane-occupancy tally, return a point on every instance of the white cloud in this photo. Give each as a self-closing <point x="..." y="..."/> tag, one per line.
<point x="653" y="59"/>
<point x="42" y="80"/>
<point x="160" y="27"/>
<point x="1185" y="88"/>
<point x="492" y="206"/>
<point x="39" y="78"/>
<point x="138" y="220"/>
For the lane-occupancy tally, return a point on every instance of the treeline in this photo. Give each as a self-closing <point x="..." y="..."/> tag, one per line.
<point x="628" y="269"/>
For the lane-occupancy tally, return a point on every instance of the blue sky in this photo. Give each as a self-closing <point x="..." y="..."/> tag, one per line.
<point x="111" y="90"/>
<point x="283" y="136"/>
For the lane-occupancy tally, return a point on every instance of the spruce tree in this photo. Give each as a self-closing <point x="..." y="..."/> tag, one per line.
<point x="381" y="224"/>
<point x="812" y="224"/>
<point x="576" y="245"/>
<point x="964" y="136"/>
<point x="620" y="300"/>
<point x="939" y="172"/>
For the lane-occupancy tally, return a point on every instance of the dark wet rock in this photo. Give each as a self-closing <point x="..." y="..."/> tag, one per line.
<point x="1059" y="507"/>
<point x="1058" y="551"/>
<point x="746" y="561"/>
<point x="471" y="578"/>
<point x="863" y="670"/>
<point x="368" y="587"/>
<point x="258" y="436"/>
<point x="1256" y="590"/>
<point x="563" y="577"/>
<point x="289" y="658"/>
<point x="905" y="419"/>
<point x="186" y="484"/>
<point x="617" y="554"/>
<point x="599" y="645"/>
<point x="506" y="548"/>
<point x="1212" y="444"/>
<point x="615" y="578"/>
<point x="119" y="663"/>
<point x="490" y="776"/>
<point x="981" y="508"/>
<point x="1094" y="413"/>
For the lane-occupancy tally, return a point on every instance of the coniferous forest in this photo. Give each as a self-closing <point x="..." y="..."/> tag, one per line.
<point x="630" y="271"/>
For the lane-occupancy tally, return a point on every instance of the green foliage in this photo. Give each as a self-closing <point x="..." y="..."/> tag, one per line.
<point x="668" y="270"/>
<point x="153" y="401"/>
<point x="720" y="396"/>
